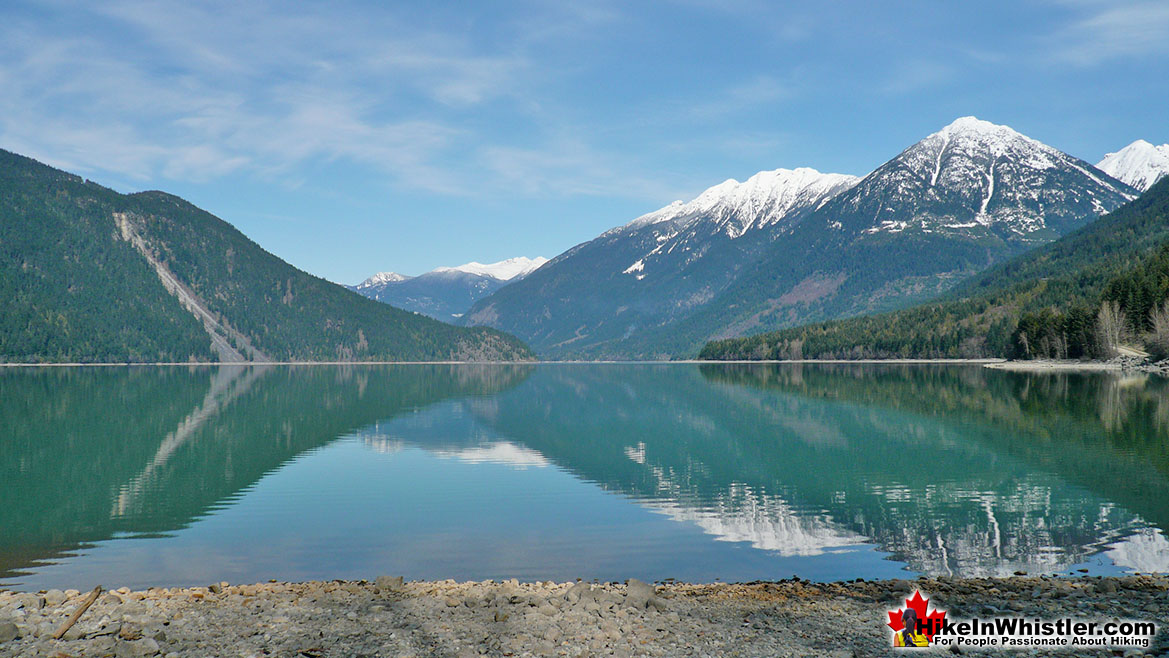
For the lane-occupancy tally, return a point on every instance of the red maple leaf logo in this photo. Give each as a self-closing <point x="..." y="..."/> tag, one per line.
<point x="930" y="622"/>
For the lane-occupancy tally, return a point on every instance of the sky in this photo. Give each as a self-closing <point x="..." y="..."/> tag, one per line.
<point x="355" y="137"/>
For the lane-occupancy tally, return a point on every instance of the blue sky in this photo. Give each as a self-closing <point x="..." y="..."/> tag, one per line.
<point x="351" y="137"/>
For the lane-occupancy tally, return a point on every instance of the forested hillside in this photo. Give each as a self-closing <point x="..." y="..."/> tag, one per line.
<point x="1043" y="303"/>
<point x="91" y="275"/>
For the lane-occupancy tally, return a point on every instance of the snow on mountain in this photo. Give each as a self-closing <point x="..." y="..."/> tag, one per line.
<point x="974" y="176"/>
<point x="1139" y="164"/>
<point x="445" y="293"/>
<point x="762" y="200"/>
<point x="795" y="245"/>
<point x="382" y="278"/>
<point x="504" y="270"/>
<point x="681" y="233"/>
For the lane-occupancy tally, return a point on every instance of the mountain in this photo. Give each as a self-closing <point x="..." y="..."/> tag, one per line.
<point x="1139" y="164"/>
<point x="658" y="267"/>
<point x="91" y="275"/>
<point x="446" y="293"/>
<point x="795" y="246"/>
<point x="504" y="270"/>
<point x="1123" y="256"/>
<point x="975" y="179"/>
<point x="382" y="278"/>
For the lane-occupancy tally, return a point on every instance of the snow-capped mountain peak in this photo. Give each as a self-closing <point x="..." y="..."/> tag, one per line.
<point x="762" y="200"/>
<point x="504" y="270"/>
<point x="1140" y="164"/>
<point x="974" y="176"/>
<point x="978" y="137"/>
<point x="382" y="278"/>
<point x="972" y="125"/>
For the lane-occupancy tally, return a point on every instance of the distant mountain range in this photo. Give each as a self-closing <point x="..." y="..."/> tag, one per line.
<point x="90" y="275"/>
<point x="788" y="247"/>
<point x="445" y="293"/>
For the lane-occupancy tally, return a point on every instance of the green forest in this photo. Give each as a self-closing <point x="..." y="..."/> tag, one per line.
<point x="76" y="287"/>
<point x="1074" y="298"/>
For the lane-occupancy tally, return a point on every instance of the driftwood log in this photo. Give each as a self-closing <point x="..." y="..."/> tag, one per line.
<point x="77" y="613"/>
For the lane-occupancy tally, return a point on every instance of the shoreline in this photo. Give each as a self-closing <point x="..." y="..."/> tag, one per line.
<point x="188" y="364"/>
<point x="390" y="617"/>
<point x="1043" y="365"/>
<point x="1123" y="365"/>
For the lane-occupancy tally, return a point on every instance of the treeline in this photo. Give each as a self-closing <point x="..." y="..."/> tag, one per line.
<point x="1133" y="308"/>
<point x="1078" y="297"/>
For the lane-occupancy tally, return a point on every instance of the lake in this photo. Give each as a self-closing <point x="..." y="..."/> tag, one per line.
<point x="171" y="476"/>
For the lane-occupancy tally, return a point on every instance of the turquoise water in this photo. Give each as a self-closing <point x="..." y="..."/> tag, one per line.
<point x="180" y="476"/>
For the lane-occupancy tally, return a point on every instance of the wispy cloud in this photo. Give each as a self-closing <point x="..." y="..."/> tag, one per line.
<point x="196" y="91"/>
<point x="1109" y="31"/>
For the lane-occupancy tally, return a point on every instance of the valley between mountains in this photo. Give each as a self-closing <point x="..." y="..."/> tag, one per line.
<point x="975" y="241"/>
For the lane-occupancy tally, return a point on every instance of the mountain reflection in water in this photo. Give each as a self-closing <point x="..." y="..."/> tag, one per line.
<point x="940" y="469"/>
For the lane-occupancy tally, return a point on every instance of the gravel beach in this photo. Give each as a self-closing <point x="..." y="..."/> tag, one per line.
<point x="1123" y="364"/>
<point x="389" y="617"/>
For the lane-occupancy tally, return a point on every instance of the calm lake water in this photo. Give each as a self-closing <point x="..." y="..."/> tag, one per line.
<point x="181" y="476"/>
